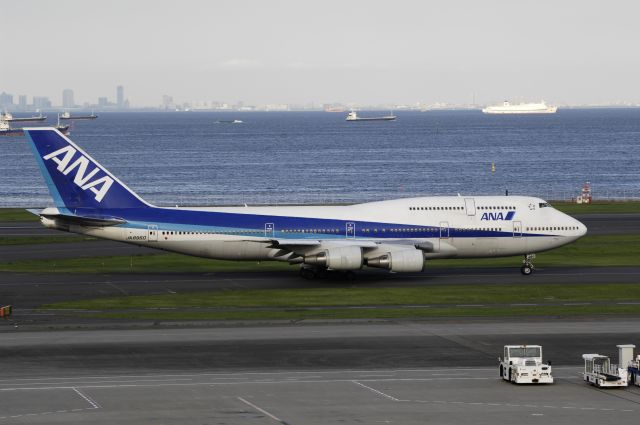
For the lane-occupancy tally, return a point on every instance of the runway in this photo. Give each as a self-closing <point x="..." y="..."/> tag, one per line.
<point x="405" y="373"/>
<point x="32" y="290"/>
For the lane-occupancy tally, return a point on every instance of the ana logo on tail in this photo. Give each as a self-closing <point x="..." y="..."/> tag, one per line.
<point x="63" y="157"/>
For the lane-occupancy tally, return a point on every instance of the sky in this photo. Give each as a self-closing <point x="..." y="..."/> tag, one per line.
<point x="322" y="51"/>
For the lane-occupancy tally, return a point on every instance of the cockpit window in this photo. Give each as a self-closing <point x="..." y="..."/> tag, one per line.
<point x="543" y="205"/>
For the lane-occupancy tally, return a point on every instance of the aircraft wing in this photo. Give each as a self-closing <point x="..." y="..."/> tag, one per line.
<point x="291" y="244"/>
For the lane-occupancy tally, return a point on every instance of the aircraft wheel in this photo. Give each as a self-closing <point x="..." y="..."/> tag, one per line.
<point x="307" y="273"/>
<point x="526" y="269"/>
<point x="501" y="372"/>
<point x="350" y="275"/>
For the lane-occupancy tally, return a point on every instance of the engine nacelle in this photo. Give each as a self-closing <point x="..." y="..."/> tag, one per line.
<point x="344" y="258"/>
<point x="406" y="260"/>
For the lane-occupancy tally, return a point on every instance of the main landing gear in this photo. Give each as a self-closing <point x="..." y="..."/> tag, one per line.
<point x="527" y="264"/>
<point x="311" y="273"/>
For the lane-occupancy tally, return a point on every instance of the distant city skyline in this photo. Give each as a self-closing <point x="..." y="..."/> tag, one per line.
<point x="289" y="52"/>
<point x="67" y="98"/>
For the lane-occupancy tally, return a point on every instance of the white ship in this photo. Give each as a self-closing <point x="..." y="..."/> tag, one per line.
<point x="522" y="108"/>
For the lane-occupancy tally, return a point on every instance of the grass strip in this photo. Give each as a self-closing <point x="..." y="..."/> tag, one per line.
<point x="400" y="313"/>
<point x="591" y="250"/>
<point x="598" y="207"/>
<point x="597" y="250"/>
<point x="16" y="214"/>
<point x="35" y="240"/>
<point x="353" y="296"/>
<point x="153" y="263"/>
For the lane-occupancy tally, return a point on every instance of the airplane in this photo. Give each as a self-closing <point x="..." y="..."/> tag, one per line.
<point x="398" y="235"/>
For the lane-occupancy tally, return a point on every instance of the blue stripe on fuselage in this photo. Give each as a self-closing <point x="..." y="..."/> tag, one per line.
<point x="254" y="224"/>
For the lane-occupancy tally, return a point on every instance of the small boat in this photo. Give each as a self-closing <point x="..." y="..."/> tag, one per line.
<point x="6" y="116"/>
<point x="6" y="130"/>
<point x="230" y="122"/>
<point x="353" y="116"/>
<point x="62" y="128"/>
<point x="67" y="116"/>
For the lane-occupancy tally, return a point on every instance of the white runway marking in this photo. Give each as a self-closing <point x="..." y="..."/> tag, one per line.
<point x="87" y="398"/>
<point x="377" y="391"/>
<point x="93" y="403"/>
<point x="259" y="409"/>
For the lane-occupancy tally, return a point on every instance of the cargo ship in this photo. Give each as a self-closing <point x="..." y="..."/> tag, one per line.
<point x="6" y="116"/>
<point x="6" y="130"/>
<point x="67" y="116"/>
<point x="353" y="116"/>
<point x="522" y="108"/>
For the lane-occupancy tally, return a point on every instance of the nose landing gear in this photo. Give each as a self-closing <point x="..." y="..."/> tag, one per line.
<point x="527" y="264"/>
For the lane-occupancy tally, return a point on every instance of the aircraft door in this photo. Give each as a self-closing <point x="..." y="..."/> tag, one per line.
<point x="350" y="230"/>
<point x="269" y="230"/>
<point x="152" y="233"/>
<point x="517" y="229"/>
<point x="444" y="230"/>
<point x="470" y="206"/>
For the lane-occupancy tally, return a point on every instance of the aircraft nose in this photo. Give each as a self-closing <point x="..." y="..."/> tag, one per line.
<point x="582" y="229"/>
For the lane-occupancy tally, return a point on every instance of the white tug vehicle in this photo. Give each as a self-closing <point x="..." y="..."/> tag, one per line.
<point x="634" y="371"/>
<point x="599" y="371"/>
<point x="522" y="364"/>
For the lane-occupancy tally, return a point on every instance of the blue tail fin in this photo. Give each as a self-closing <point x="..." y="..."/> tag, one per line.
<point x="76" y="180"/>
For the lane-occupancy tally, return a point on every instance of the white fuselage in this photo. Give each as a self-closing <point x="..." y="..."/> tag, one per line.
<point x="442" y="227"/>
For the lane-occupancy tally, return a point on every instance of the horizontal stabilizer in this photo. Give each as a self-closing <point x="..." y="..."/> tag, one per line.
<point x="90" y="221"/>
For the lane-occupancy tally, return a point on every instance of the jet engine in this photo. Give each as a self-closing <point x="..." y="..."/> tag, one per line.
<point x="406" y="260"/>
<point x="342" y="258"/>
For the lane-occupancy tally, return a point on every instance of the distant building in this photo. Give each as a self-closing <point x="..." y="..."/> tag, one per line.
<point x="120" y="97"/>
<point x="22" y="101"/>
<point x="67" y="98"/>
<point x="6" y="99"/>
<point x="276" y="107"/>
<point x="167" y="102"/>
<point x="41" y="102"/>
<point x="103" y="101"/>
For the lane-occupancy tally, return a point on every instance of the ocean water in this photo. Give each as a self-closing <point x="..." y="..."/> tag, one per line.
<point x="315" y="157"/>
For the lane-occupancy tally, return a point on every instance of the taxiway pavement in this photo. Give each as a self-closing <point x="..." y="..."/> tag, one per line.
<point x="394" y="372"/>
